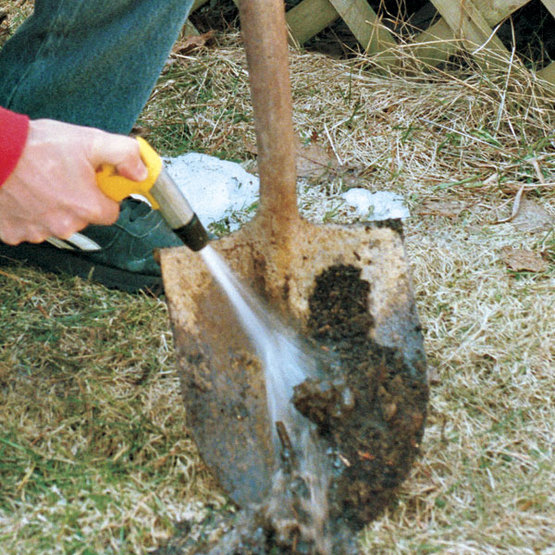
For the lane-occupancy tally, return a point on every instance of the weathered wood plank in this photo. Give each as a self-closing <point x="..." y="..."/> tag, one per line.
<point x="309" y="18"/>
<point x="365" y="25"/>
<point x="550" y="5"/>
<point x="469" y="25"/>
<point x="548" y="73"/>
<point x="495" y="11"/>
<point x="197" y="4"/>
<point x="464" y="23"/>
<point x="190" y="30"/>
<point x="434" y="45"/>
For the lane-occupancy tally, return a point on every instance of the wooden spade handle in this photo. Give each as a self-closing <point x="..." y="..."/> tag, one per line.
<point x="265" y="36"/>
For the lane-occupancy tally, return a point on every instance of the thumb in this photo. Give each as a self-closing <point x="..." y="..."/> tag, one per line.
<point x="121" y="152"/>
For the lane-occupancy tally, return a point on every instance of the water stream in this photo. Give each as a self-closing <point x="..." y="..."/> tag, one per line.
<point x="303" y="477"/>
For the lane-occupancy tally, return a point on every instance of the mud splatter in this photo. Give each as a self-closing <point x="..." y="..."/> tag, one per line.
<point x="375" y="442"/>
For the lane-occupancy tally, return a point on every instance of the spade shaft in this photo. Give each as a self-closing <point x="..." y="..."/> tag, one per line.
<point x="265" y="37"/>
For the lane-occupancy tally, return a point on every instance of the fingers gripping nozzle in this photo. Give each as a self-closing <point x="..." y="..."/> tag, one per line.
<point x="161" y="191"/>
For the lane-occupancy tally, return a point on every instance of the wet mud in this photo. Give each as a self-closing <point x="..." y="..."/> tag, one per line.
<point x="368" y="411"/>
<point x="372" y="409"/>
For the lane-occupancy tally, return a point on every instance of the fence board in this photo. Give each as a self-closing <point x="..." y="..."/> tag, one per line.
<point x="190" y="30"/>
<point x="198" y="3"/>
<point x="434" y="45"/>
<point x="495" y="11"/>
<point x="463" y="24"/>
<point x="469" y="25"/>
<point x="550" y="5"/>
<point x="309" y="18"/>
<point x="548" y="73"/>
<point x="365" y="25"/>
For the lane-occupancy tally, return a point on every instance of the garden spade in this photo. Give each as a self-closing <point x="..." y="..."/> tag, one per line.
<point x="345" y="289"/>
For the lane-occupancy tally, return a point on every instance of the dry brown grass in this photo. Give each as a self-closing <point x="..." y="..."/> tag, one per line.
<point x="94" y="452"/>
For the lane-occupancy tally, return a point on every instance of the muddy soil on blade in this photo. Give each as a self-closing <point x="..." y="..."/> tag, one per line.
<point x="375" y="426"/>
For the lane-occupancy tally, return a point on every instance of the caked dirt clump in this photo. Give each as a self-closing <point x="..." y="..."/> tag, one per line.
<point x="372" y="410"/>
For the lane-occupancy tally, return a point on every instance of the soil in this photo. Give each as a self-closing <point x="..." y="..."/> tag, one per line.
<point x="368" y="410"/>
<point x="375" y="426"/>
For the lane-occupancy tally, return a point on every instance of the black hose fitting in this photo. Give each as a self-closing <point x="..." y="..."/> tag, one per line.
<point x="193" y="234"/>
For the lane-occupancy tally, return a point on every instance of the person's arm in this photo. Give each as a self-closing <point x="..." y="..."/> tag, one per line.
<point x="13" y="134"/>
<point x="50" y="184"/>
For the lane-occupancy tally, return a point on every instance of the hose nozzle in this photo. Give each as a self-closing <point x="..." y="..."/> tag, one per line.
<point x="177" y="212"/>
<point x="161" y="191"/>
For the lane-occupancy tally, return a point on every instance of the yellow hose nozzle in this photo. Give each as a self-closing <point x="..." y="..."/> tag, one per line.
<point x="161" y="191"/>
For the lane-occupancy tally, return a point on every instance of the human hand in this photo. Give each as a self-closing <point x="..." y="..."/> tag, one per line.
<point x="53" y="189"/>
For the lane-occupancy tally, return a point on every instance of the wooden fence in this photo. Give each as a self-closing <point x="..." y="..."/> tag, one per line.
<point x="463" y="24"/>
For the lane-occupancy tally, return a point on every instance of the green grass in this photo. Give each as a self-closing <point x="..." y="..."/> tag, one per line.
<point x="91" y="421"/>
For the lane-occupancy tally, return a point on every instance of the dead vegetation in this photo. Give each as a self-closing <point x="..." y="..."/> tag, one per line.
<point x="94" y="450"/>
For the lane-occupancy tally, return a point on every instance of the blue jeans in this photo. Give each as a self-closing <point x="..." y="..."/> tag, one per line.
<point x="89" y="62"/>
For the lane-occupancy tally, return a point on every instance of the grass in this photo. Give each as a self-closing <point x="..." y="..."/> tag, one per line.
<point x="95" y="455"/>
<point x="92" y="437"/>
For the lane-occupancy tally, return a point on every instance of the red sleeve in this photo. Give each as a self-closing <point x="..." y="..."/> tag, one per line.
<point x="13" y="134"/>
